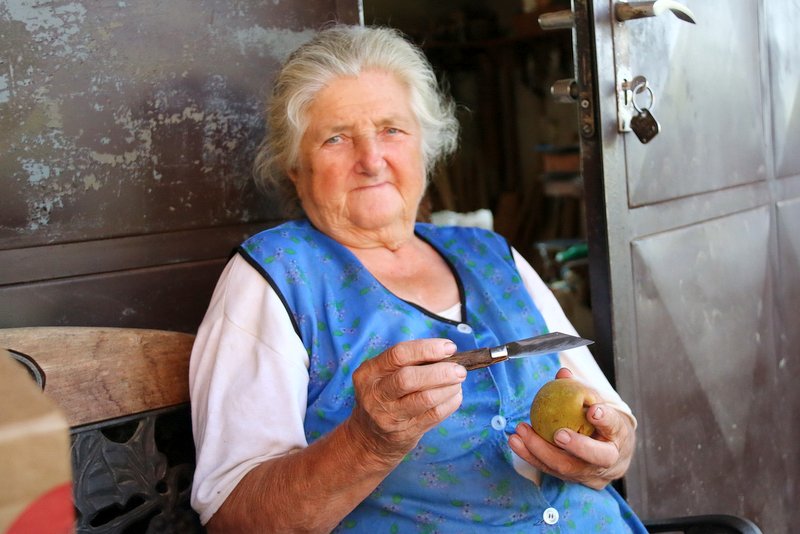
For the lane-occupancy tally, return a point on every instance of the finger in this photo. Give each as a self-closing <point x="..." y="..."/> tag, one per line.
<point x="607" y="421"/>
<point x="371" y="373"/>
<point x="420" y="402"/>
<point x="417" y="352"/>
<point x="519" y="446"/>
<point x="416" y="414"/>
<point x="600" y="453"/>
<point x="440" y="410"/>
<point x="549" y="458"/>
<point x="411" y="379"/>
<point x="616" y="427"/>
<point x="556" y="462"/>
<point x="531" y="447"/>
<point x="564" y="373"/>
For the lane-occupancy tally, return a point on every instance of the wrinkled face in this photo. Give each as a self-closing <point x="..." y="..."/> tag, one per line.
<point x="361" y="166"/>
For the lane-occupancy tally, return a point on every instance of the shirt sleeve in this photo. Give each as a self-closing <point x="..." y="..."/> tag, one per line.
<point x="580" y="360"/>
<point x="248" y="381"/>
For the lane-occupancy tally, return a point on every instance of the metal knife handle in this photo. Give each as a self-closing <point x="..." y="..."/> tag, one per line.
<point x="475" y="359"/>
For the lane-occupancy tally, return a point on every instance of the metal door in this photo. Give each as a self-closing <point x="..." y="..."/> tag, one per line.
<point x="695" y="246"/>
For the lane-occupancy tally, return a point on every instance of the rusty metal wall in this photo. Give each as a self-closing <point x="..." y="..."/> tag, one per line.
<point x="127" y="132"/>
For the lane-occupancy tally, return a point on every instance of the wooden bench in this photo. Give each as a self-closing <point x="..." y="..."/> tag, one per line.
<point x="125" y="395"/>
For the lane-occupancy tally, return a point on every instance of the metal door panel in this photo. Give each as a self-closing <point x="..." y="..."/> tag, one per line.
<point x="706" y="80"/>
<point x="784" y="42"/>
<point x="788" y="220"/>
<point x="788" y="361"/>
<point x="702" y="296"/>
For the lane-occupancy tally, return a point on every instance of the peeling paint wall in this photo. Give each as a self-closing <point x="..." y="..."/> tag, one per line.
<point x="130" y="111"/>
<point x="136" y="117"/>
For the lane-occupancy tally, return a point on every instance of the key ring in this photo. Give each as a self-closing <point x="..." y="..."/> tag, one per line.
<point x="640" y="88"/>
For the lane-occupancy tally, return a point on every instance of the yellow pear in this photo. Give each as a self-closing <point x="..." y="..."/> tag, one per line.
<point x="562" y="403"/>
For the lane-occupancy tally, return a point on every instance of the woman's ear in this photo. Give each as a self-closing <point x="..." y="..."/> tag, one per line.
<point x="294" y="176"/>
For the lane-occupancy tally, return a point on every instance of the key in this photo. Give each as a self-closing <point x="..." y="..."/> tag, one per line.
<point x="645" y="126"/>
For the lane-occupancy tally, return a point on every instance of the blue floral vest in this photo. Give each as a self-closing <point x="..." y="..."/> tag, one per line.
<point x="459" y="478"/>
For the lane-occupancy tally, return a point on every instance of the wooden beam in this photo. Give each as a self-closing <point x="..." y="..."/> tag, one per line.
<point x="96" y="374"/>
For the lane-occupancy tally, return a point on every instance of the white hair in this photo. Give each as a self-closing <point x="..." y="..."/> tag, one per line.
<point x="340" y="51"/>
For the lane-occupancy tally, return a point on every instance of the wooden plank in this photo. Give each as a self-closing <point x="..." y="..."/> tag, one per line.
<point x="96" y="374"/>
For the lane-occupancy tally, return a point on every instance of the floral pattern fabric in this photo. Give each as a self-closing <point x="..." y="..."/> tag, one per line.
<point x="460" y="477"/>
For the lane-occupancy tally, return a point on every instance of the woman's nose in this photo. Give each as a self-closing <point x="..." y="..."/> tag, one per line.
<point x="369" y="155"/>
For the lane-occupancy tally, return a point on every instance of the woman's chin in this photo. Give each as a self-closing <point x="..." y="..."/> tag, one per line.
<point x="378" y="219"/>
<point x="380" y="212"/>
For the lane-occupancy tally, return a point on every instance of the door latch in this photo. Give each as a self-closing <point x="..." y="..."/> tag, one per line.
<point x="635" y="115"/>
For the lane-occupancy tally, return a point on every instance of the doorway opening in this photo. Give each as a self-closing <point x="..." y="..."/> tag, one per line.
<point x="518" y="167"/>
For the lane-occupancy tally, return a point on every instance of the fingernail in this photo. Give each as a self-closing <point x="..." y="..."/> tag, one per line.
<point x="461" y="371"/>
<point x="598" y="414"/>
<point x="562" y="437"/>
<point x="449" y="347"/>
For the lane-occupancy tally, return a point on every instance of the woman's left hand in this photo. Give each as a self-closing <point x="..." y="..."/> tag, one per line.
<point x="591" y="461"/>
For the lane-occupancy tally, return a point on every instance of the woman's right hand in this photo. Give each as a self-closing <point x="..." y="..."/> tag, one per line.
<point x="401" y="394"/>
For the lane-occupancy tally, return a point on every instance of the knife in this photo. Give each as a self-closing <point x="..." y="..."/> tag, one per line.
<point x="544" y="344"/>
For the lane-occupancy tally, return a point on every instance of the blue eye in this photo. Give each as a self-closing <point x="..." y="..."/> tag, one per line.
<point x="392" y="131"/>
<point x="333" y="140"/>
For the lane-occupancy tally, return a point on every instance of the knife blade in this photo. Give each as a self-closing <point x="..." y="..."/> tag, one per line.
<point x="532" y="346"/>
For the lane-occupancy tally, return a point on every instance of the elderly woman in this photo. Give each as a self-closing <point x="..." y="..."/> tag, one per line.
<point x="320" y="399"/>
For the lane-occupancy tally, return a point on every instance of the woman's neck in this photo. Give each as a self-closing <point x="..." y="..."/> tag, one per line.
<point x="414" y="271"/>
<point x="393" y="238"/>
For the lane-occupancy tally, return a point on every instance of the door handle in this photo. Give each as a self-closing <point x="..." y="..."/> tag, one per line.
<point x="637" y="10"/>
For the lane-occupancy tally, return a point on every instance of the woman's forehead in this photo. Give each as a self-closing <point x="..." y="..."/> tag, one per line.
<point x="368" y="81"/>
<point x="377" y="95"/>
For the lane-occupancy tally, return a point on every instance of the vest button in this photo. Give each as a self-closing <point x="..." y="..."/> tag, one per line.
<point x="464" y="328"/>
<point x="550" y="516"/>
<point x="498" y="422"/>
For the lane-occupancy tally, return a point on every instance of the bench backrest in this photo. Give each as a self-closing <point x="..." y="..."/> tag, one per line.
<point x="125" y="395"/>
